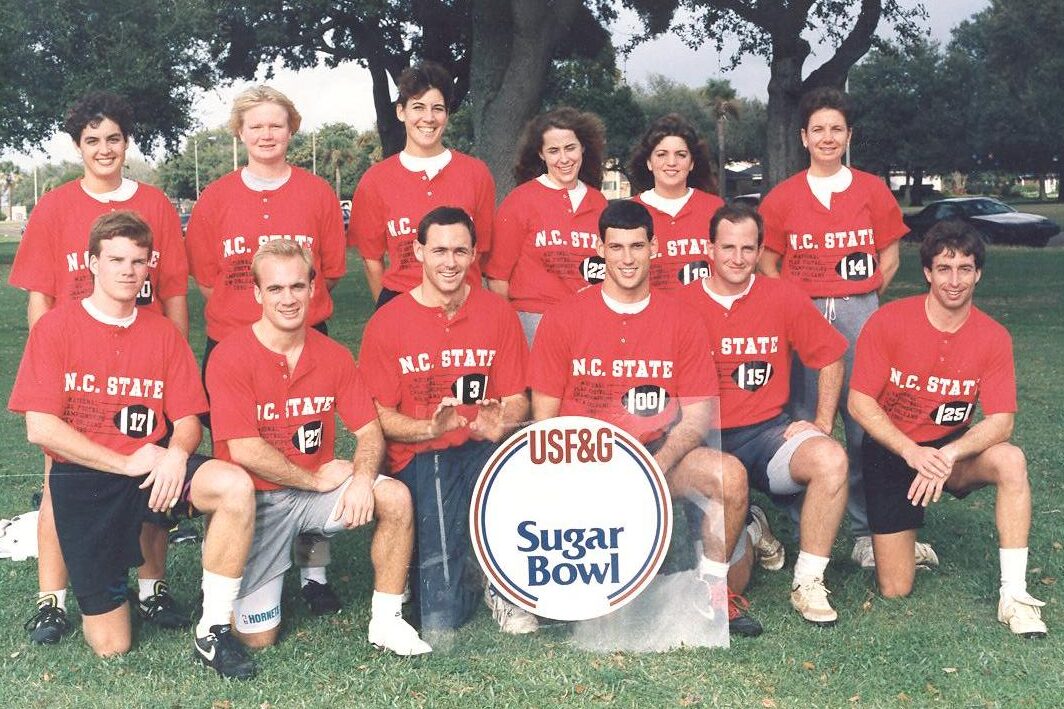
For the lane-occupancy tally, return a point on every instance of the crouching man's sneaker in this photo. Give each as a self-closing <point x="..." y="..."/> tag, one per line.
<point x="395" y="634"/>
<point x="810" y="599"/>
<point x="224" y="653"/>
<point x="768" y="551"/>
<point x="1020" y="612"/>
<point x="321" y="599"/>
<point x="863" y="556"/>
<point x="161" y="609"/>
<point x="49" y="623"/>
<point x="511" y="619"/>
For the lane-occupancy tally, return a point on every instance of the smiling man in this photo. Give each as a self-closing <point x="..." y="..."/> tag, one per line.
<point x="756" y="325"/>
<point x="110" y="392"/>
<point x="52" y="264"/>
<point x="594" y="352"/>
<point x="922" y="365"/>
<point x="276" y="389"/>
<point x="446" y="365"/>
<point x="268" y="199"/>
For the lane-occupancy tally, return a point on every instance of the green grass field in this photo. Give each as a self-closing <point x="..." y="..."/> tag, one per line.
<point x="941" y="647"/>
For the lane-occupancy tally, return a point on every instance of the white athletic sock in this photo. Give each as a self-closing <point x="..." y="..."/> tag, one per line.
<point x="1013" y="570"/>
<point x="56" y="598"/>
<point x="312" y="573"/>
<point x="219" y="593"/>
<point x="386" y="605"/>
<point x="716" y="569"/>
<point x="809" y="567"/>
<point x="146" y="588"/>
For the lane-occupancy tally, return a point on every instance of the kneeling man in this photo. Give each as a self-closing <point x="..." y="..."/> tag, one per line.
<point x="755" y="323"/>
<point x="922" y="363"/>
<point x="276" y="388"/>
<point x="594" y="349"/>
<point x="111" y="392"/>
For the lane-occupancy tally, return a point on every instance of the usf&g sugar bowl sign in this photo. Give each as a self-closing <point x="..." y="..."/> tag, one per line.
<point x="571" y="518"/>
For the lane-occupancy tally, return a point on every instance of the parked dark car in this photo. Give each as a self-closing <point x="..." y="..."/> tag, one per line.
<point x="996" y="221"/>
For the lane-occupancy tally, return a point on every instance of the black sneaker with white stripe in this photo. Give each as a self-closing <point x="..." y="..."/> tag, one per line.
<point x="224" y="653"/>
<point x="161" y="609"/>
<point x="49" y="624"/>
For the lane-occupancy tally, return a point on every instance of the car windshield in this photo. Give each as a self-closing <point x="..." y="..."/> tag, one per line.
<point x="980" y="207"/>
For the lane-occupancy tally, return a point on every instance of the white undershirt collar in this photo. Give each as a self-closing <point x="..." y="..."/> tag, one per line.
<point x="100" y="316"/>
<point x="576" y="194"/>
<point x="824" y="187"/>
<point x="431" y="166"/>
<point x="625" y="308"/>
<point x="125" y="191"/>
<point x="262" y="184"/>
<point x="669" y="205"/>
<point x="727" y="301"/>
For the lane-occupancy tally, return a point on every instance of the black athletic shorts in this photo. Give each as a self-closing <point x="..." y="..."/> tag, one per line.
<point x="887" y="478"/>
<point x="98" y="517"/>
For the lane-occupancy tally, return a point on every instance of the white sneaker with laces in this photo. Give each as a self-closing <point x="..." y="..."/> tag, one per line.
<point x="1020" y="612"/>
<point x="398" y="636"/>
<point x="863" y="556"/>
<point x="511" y="619"/>
<point x="810" y="599"/>
<point x="769" y="551"/>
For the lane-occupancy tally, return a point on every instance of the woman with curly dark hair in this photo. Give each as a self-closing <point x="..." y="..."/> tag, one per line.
<point x="546" y="229"/>
<point x="672" y="173"/>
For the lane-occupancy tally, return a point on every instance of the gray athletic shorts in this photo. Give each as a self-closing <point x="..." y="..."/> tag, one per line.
<point x="280" y="516"/>
<point x="766" y="454"/>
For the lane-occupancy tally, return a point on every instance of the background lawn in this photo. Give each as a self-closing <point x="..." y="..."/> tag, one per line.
<point x="941" y="647"/>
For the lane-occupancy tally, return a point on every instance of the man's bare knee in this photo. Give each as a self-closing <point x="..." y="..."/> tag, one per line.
<point x="392" y="502"/>
<point x="1010" y="465"/>
<point x="224" y="487"/>
<point x="893" y="588"/>
<point x="258" y="641"/>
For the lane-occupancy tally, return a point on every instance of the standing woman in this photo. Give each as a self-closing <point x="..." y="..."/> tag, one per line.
<point x="239" y="212"/>
<point x="835" y="232"/>
<point x="393" y="195"/>
<point x="546" y="230"/>
<point x="671" y="169"/>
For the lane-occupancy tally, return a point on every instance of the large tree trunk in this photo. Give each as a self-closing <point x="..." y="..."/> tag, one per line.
<point x="390" y="130"/>
<point x="783" y="146"/>
<point x="513" y="43"/>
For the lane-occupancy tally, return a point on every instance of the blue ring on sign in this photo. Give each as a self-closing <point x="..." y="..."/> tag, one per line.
<point x="515" y="588"/>
<point x="658" y="522"/>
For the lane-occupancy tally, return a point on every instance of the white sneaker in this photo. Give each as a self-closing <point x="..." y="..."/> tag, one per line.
<point x="925" y="555"/>
<point x="810" y="599"/>
<point x="511" y="619"/>
<point x="769" y="552"/>
<point x="397" y="635"/>
<point x="1020" y="612"/>
<point x="862" y="554"/>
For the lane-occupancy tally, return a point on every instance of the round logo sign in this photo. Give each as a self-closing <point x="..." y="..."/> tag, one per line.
<point x="571" y="518"/>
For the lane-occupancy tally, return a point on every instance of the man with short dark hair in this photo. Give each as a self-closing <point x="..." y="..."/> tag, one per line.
<point x="446" y="365"/>
<point x="52" y="264"/>
<point x="922" y="365"/>
<point x="120" y="419"/>
<point x="592" y="351"/>
<point x="756" y="324"/>
<point x="276" y="387"/>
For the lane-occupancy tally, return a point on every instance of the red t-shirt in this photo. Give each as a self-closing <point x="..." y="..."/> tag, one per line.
<point x="390" y="201"/>
<point x="231" y="221"/>
<point x="253" y="394"/>
<point x="926" y="380"/>
<point x="542" y="248"/>
<point x="832" y="252"/>
<point x="752" y="345"/>
<point x="412" y="357"/>
<point x="683" y="241"/>
<point x="633" y="371"/>
<point x="116" y="385"/>
<point x="53" y="257"/>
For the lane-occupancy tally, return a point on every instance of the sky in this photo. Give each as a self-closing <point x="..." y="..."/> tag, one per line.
<point x="352" y="104"/>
